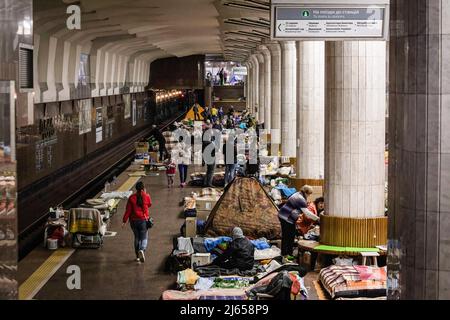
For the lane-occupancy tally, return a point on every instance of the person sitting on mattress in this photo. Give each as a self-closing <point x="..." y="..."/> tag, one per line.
<point x="239" y="255"/>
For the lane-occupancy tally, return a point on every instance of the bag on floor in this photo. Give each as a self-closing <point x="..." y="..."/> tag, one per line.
<point x="175" y="264"/>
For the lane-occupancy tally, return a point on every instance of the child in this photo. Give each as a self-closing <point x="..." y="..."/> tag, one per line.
<point x="170" y="170"/>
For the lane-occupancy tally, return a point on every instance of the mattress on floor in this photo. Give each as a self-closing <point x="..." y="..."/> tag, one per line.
<point x="211" y="294"/>
<point x="354" y="281"/>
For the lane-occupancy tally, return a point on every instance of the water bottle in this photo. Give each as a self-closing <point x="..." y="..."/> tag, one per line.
<point x="107" y="186"/>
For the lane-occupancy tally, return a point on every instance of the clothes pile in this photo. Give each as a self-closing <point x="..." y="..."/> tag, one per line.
<point x="198" y="178"/>
<point x="270" y="281"/>
<point x="268" y="277"/>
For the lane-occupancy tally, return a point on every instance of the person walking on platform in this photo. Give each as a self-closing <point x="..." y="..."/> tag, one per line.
<point x="183" y="161"/>
<point x="221" y="77"/>
<point x="210" y="161"/>
<point x="137" y="212"/>
<point x="230" y="159"/>
<point x="196" y="112"/>
<point x="171" y="169"/>
<point x="289" y="214"/>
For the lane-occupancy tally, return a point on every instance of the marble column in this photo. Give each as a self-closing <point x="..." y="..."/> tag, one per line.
<point x="310" y="112"/>
<point x="419" y="150"/>
<point x="261" y="83"/>
<point x="255" y="84"/>
<point x="288" y="99"/>
<point x="275" y="81"/>
<point x="267" y="87"/>
<point x="355" y="110"/>
<point x="249" y="86"/>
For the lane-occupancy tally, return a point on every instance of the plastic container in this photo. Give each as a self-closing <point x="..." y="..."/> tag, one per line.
<point x="52" y="244"/>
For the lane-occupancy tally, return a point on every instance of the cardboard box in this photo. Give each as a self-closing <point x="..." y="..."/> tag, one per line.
<point x="203" y="214"/>
<point x="142" y="147"/>
<point x="205" y="203"/>
<point x="191" y="227"/>
<point x="200" y="259"/>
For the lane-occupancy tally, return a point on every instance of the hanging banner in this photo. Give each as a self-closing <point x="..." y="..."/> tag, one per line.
<point x="127" y="103"/>
<point x="85" y="116"/>
<point x="330" y="20"/>
<point x="134" y="113"/>
<point x="99" y="125"/>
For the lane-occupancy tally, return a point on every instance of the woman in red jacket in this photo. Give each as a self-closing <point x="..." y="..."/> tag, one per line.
<point x="137" y="213"/>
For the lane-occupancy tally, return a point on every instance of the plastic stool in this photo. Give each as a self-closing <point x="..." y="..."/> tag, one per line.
<point x="372" y="255"/>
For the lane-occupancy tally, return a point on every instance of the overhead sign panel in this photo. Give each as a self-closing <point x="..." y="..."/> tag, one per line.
<point x="329" y="21"/>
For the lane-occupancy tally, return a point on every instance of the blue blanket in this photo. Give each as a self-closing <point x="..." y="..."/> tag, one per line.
<point x="285" y="191"/>
<point x="211" y="243"/>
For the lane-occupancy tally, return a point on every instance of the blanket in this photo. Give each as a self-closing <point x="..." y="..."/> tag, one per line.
<point x="215" y="271"/>
<point x="83" y="220"/>
<point x="211" y="243"/>
<point x="210" y="294"/>
<point x="344" y="281"/>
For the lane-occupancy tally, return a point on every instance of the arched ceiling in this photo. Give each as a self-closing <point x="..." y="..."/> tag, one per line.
<point x="160" y="28"/>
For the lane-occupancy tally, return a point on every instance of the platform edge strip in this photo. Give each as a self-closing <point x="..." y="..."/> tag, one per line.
<point x="40" y="277"/>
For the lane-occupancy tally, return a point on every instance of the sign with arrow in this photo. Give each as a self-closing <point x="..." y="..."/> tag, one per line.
<point x="293" y="21"/>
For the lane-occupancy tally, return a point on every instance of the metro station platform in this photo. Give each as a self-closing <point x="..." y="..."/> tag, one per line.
<point x="111" y="272"/>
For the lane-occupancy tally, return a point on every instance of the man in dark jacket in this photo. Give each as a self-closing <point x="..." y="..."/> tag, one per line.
<point x="230" y="159"/>
<point x="161" y="141"/>
<point x="210" y="161"/>
<point x="196" y="114"/>
<point x="240" y="253"/>
<point x="207" y="114"/>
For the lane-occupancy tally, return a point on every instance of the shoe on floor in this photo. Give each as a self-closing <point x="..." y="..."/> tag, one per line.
<point x="141" y="256"/>
<point x="137" y="260"/>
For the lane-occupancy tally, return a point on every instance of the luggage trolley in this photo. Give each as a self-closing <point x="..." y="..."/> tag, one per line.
<point x="87" y="228"/>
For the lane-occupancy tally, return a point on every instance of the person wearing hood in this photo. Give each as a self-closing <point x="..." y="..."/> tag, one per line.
<point x="296" y="205"/>
<point x="239" y="255"/>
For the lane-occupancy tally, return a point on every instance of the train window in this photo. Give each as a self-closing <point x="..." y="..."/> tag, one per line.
<point x="25" y="67"/>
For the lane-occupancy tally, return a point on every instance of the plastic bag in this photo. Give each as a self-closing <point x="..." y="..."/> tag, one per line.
<point x="275" y="194"/>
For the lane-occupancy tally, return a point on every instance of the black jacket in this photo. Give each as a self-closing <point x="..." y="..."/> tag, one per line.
<point x="235" y="153"/>
<point x="241" y="252"/>
<point x="158" y="136"/>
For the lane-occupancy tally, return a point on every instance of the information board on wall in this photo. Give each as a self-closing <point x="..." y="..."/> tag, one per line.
<point x="127" y="105"/>
<point x="134" y="113"/>
<point x="99" y="125"/>
<point x="85" y="116"/>
<point x="292" y="21"/>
